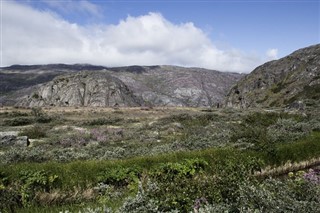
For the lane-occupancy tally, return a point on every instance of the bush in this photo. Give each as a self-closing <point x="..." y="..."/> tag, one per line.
<point x="179" y="184"/>
<point x="9" y="200"/>
<point x="18" y="121"/>
<point x="74" y="140"/>
<point x="37" y="111"/>
<point x="21" y="154"/>
<point x="176" y="118"/>
<point x="261" y="131"/>
<point x="186" y="169"/>
<point x="103" y="121"/>
<point x="142" y="202"/>
<point x="40" y="115"/>
<point x="279" y="196"/>
<point x="43" y="119"/>
<point x="34" y="132"/>
<point x="288" y="130"/>
<point x="18" y="114"/>
<point x="120" y="176"/>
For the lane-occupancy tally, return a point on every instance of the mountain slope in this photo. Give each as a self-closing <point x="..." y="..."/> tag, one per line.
<point x="82" y="89"/>
<point x="294" y="78"/>
<point x="178" y="86"/>
<point x="134" y="86"/>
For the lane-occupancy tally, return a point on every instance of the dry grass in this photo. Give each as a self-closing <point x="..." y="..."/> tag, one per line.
<point x="58" y="196"/>
<point x="288" y="167"/>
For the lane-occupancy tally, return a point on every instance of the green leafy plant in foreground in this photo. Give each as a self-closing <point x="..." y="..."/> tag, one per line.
<point x="178" y="184"/>
<point x="186" y="169"/>
<point x="120" y="176"/>
<point x="33" y="181"/>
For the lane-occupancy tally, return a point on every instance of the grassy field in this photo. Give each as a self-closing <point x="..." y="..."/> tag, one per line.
<point x="160" y="160"/>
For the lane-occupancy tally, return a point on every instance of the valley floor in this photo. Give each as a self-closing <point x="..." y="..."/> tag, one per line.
<point x="159" y="160"/>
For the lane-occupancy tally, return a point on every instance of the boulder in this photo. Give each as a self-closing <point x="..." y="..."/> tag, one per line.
<point x="297" y="105"/>
<point x="12" y="139"/>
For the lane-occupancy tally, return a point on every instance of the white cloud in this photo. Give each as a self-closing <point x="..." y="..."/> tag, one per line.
<point x="272" y="54"/>
<point x="31" y="36"/>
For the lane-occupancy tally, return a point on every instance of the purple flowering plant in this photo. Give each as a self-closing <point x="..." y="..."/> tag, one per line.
<point x="99" y="135"/>
<point x="313" y="175"/>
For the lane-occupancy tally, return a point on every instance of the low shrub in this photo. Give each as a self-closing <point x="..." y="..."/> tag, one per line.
<point x="22" y="154"/>
<point x="142" y="202"/>
<point x="186" y="169"/>
<point x="103" y="121"/>
<point x="43" y="119"/>
<point x="9" y="200"/>
<point x="179" y="184"/>
<point x="278" y="196"/>
<point x="176" y="118"/>
<point x="37" y="111"/>
<point x="77" y="139"/>
<point x="34" y="132"/>
<point x="120" y="176"/>
<point x="19" y="121"/>
<point x="288" y="130"/>
<point x="18" y="114"/>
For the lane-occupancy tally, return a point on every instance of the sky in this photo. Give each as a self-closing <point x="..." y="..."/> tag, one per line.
<point x="229" y="35"/>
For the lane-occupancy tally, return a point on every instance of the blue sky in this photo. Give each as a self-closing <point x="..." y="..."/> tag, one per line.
<point x="252" y="32"/>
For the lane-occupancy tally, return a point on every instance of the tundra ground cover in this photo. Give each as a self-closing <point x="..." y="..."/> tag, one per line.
<point x="159" y="160"/>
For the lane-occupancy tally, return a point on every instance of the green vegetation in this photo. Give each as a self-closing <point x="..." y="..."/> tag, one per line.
<point x="103" y="121"/>
<point x="34" y="132"/>
<point x="18" y="121"/>
<point x="161" y="161"/>
<point x="309" y="93"/>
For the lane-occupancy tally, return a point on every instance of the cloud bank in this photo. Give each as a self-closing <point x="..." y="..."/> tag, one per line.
<point x="31" y="36"/>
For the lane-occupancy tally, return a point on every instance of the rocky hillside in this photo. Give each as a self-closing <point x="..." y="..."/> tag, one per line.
<point x="22" y="76"/>
<point x="86" y="85"/>
<point x="177" y="86"/>
<point x="285" y="82"/>
<point x="82" y="89"/>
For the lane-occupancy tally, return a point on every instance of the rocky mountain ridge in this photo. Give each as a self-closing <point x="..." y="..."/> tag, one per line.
<point x="284" y="82"/>
<point x="87" y="85"/>
<point x="291" y="80"/>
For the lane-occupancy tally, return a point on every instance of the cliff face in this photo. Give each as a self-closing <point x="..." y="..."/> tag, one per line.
<point x="294" y="78"/>
<point x="81" y="89"/>
<point x="86" y="85"/>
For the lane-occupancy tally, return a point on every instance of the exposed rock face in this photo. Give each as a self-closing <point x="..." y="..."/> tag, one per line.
<point x="120" y="86"/>
<point x="178" y="86"/>
<point x="82" y="89"/>
<point x="292" y="79"/>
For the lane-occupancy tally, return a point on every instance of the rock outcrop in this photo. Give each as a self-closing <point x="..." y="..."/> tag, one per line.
<point x="177" y="86"/>
<point x="284" y="82"/>
<point x="12" y="139"/>
<point x="82" y="89"/>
